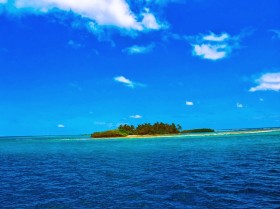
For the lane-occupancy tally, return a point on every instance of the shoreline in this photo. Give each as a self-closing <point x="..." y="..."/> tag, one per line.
<point x="140" y="136"/>
<point x="218" y="133"/>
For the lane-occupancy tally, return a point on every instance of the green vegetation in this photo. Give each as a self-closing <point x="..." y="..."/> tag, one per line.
<point x="201" y="130"/>
<point x="150" y="129"/>
<point x="127" y="129"/>
<point x="142" y="129"/>
<point x="108" y="134"/>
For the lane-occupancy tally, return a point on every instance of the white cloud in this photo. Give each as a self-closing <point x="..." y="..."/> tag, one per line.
<point x="188" y="103"/>
<point x="128" y="82"/>
<point x="267" y="82"/>
<point x="135" y="49"/>
<point x="116" y="13"/>
<point x="136" y="116"/>
<point x="208" y="51"/>
<point x="214" y="37"/>
<point x="239" y="105"/>
<point x="107" y="12"/>
<point x="60" y="126"/>
<point x="125" y="81"/>
<point x="149" y="21"/>
<point x="212" y="46"/>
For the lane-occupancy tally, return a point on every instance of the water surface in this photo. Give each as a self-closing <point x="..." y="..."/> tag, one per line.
<point x="198" y="171"/>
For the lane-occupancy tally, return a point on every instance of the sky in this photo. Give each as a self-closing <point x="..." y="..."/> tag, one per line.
<point x="75" y="67"/>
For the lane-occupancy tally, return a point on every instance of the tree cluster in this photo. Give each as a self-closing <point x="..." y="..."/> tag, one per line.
<point x="108" y="134"/>
<point x="150" y="129"/>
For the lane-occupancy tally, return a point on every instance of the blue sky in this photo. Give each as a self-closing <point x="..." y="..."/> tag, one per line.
<point x="73" y="67"/>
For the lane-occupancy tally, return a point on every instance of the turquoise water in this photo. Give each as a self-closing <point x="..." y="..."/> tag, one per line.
<point x="198" y="171"/>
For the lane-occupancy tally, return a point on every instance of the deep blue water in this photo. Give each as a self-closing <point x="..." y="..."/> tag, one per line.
<point x="235" y="171"/>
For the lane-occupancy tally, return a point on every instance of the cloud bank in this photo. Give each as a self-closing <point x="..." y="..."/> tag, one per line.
<point x="116" y="13"/>
<point x="267" y="82"/>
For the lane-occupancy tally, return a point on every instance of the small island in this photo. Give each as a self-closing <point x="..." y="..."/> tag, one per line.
<point x="147" y="129"/>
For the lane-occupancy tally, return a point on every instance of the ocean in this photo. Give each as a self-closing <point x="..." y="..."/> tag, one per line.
<point x="219" y="170"/>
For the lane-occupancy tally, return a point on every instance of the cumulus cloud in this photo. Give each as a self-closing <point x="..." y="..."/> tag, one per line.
<point x="188" y="103"/>
<point x="267" y="82"/>
<point x="239" y="105"/>
<point x="212" y="46"/>
<point x="135" y="49"/>
<point x="116" y="13"/>
<point x="60" y="126"/>
<point x="136" y="116"/>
